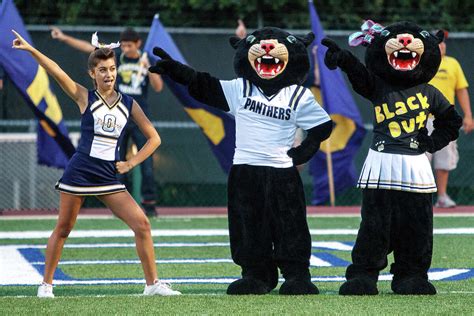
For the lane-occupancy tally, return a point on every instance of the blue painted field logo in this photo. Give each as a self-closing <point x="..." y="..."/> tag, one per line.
<point x="25" y="264"/>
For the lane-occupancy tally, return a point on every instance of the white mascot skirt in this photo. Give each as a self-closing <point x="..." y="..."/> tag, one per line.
<point x="410" y="173"/>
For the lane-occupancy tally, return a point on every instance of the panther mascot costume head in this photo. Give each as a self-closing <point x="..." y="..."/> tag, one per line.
<point x="397" y="181"/>
<point x="266" y="203"/>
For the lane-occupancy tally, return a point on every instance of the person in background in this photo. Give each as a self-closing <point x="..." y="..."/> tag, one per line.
<point x="133" y="79"/>
<point x="450" y="80"/>
<point x="241" y="30"/>
<point x="2" y="75"/>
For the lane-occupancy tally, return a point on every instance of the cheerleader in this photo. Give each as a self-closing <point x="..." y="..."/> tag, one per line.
<point x="93" y="168"/>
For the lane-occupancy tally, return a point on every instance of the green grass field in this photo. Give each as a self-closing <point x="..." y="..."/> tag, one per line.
<point x="456" y="297"/>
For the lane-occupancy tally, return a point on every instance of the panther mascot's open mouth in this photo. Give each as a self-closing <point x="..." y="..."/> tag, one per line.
<point x="404" y="52"/>
<point x="268" y="58"/>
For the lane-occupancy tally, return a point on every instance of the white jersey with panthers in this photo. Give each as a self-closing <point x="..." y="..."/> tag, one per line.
<point x="266" y="126"/>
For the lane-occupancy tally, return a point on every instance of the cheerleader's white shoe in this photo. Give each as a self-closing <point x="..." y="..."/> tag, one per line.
<point x="45" y="290"/>
<point x="160" y="288"/>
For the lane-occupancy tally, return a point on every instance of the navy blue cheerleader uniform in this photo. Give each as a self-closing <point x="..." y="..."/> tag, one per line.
<point x="91" y="170"/>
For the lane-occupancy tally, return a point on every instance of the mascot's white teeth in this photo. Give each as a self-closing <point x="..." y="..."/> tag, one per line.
<point x="404" y="60"/>
<point x="268" y="66"/>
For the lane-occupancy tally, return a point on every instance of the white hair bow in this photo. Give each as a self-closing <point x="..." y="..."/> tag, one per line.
<point x="95" y="43"/>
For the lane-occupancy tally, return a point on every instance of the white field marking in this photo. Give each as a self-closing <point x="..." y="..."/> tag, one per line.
<point x="193" y="233"/>
<point x="126" y="245"/>
<point x="314" y="261"/>
<point x="175" y="261"/>
<point x="441" y="275"/>
<point x="330" y="245"/>
<point x="106" y="216"/>
<point x="15" y="269"/>
<point x="433" y="276"/>
<point x="317" y="262"/>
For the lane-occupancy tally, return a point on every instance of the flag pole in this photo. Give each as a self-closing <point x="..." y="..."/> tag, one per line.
<point x="332" y="194"/>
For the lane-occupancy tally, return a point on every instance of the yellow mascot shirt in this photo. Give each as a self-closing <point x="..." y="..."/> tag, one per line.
<point x="449" y="78"/>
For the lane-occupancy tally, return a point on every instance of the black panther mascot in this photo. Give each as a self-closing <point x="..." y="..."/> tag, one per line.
<point x="397" y="181"/>
<point x="266" y="203"/>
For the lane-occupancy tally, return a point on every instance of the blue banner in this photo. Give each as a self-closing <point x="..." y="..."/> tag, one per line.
<point x="348" y="133"/>
<point x="217" y="126"/>
<point x="53" y="143"/>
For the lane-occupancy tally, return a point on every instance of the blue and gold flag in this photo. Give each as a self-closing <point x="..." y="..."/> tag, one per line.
<point x="349" y="131"/>
<point x="217" y="126"/>
<point x="53" y="144"/>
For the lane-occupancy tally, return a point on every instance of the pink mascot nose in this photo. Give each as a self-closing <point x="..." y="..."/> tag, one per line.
<point x="267" y="47"/>
<point x="405" y="40"/>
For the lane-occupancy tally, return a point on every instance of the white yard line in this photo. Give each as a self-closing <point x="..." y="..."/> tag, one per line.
<point x="192" y="233"/>
<point x="330" y="245"/>
<point x="174" y="261"/>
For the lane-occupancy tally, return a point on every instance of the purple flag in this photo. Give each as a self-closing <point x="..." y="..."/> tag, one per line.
<point x="348" y="133"/>
<point x="217" y="126"/>
<point x="53" y="144"/>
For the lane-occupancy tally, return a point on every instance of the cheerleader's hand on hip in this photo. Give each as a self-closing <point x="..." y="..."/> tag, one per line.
<point x="123" y="166"/>
<point x="20" y="43"/>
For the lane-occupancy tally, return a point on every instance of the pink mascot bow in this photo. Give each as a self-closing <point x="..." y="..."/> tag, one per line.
<point x="366" y="35"/>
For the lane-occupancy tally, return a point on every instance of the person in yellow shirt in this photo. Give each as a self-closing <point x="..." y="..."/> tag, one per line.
<point x="450" y="80"/>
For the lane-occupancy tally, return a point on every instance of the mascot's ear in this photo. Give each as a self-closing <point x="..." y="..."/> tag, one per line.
<point x="440" y="36"/>
<point x="234" y="41"/>
<point x="308" y="39"/>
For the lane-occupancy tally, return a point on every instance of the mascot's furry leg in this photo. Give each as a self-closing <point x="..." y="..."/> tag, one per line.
<point x="396" y="221"/>
<point x="268" y="228"/>
<point x="249" y="231"/>
<point x="412" y="242"/>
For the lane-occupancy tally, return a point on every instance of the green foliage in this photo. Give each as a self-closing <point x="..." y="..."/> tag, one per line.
<point x="456" y="15"/>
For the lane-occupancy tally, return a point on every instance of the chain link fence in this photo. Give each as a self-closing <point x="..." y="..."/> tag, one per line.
<point x="186" y="171"/>
<point x="24" y="184"/>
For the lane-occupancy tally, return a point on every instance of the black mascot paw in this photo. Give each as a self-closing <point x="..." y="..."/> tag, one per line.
<point x="298" y="287"/>
<point x="413" y="285"/>
<point x="177" y="71"/>
<point x="359" y="286"/>
<point x="335" y="56"/>
<point x="302" y="154"/>
<point x="425" y="142"/>
<point x="246" y="286"/>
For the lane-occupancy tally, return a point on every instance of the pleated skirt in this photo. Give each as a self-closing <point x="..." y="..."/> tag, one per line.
<point x="85" y="175"/>
<point x="410" y="173"/>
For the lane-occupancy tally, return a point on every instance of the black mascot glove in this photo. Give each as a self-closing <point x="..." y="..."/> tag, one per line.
<point x="174" y="69"/>
<point x="302" y="153"/>
<point x="425" y="142"/>
<point x="310" y="145"/>
<point x="337" y="57"/>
